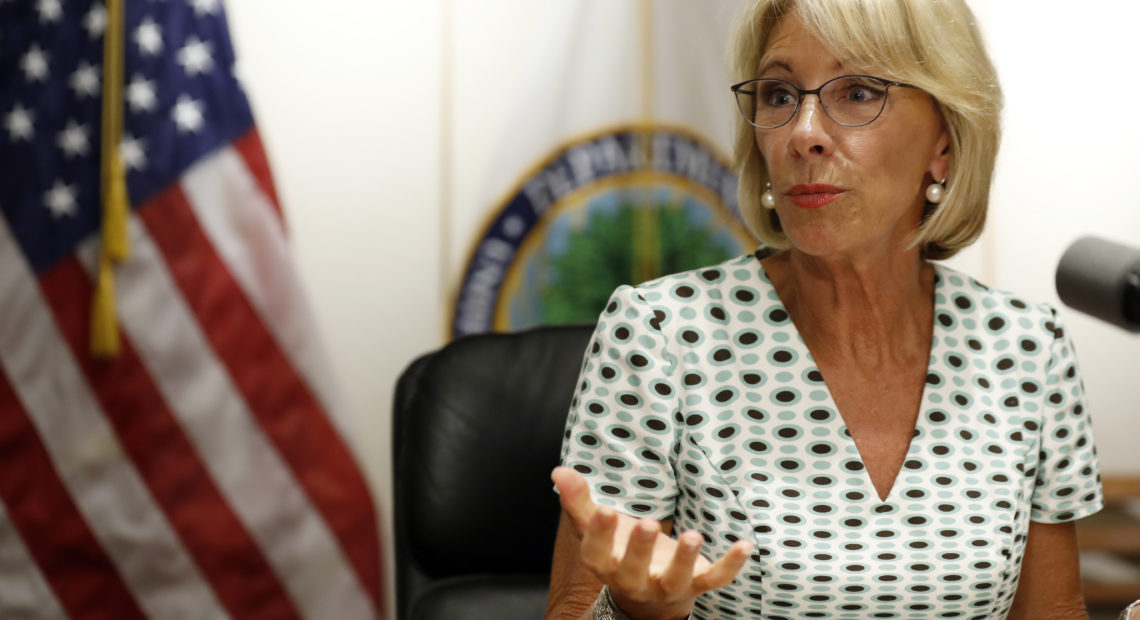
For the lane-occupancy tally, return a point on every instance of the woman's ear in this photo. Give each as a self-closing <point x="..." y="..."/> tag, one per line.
<point x="940" y="162"/>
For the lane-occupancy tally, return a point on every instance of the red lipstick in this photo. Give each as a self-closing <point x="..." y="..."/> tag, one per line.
<point x="814" y="196"/>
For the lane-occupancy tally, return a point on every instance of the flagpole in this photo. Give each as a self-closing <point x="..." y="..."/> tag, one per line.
<point x="113" y="247"/>
<point x="646" y="229"/>
<point x="645" y="11"/>
<point x="445" y="157"/>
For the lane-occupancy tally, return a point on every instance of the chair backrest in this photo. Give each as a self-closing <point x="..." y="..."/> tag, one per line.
<point x="477" y="428"/>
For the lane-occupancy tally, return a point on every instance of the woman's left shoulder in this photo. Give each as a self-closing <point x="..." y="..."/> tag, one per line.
<point x="960" y="297"/>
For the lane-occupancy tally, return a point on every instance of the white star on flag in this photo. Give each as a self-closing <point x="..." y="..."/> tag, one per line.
<point x="195" y="57"/>
<point x="140" y="94"/>
<point x="202" y="7"/>
<point x="149" y="37"/>
<point x="73" y="140"/>
<point x="95" y="22"/>
<point x="187" y="114"/>
<point x="85" y="80"/>
<point x="50" y="11"/>
<point x="131" y="152"/>
<point x="35" y="64"/>
<point x="19" y="124"/>
<point x="60" y="200"/>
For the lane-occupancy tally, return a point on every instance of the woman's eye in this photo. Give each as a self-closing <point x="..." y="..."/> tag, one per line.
<point x="779" y="98"/>
<point x="862" y="94"/>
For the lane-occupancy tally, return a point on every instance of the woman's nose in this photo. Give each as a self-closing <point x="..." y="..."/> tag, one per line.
<point x="810" y="129"/>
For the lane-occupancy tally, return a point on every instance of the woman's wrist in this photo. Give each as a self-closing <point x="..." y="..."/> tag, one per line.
<point x="606" y="609"/>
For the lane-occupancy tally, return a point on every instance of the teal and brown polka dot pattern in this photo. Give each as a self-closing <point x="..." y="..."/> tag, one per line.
<point x="698" y="402"/>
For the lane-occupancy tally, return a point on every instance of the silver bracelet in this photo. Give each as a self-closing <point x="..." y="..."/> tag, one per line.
<point x="605" y="609"/>
<point x="1130" y="611"/>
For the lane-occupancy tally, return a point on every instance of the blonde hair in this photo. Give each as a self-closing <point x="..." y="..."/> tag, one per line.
<point x="932" y="44"/>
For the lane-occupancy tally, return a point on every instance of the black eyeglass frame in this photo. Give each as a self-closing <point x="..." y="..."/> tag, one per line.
<point x="738" y="89"/>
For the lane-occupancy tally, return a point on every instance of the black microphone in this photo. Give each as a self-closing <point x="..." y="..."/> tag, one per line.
<point x="1102" y="278"/>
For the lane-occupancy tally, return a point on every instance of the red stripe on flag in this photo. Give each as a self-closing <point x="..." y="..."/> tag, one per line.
<point x="252" y="151"/>
<point x="70" y="558"/>
<point x="279" y="399"/>
<point x="166" y="460"/>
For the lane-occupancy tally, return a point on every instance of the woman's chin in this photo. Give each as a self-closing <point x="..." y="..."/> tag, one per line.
<point x="831" y="238"/>
<point x="819" y="241"/>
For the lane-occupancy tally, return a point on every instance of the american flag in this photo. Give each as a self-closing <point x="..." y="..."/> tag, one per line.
<point x="203" y="471"/>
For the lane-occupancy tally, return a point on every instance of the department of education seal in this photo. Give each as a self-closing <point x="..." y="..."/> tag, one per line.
<point x="618" y="207"/>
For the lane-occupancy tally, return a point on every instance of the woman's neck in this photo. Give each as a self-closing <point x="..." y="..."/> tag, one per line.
<point x="872" y="309"/>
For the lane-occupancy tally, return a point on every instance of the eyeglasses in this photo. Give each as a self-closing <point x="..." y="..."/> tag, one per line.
<point x="850" y="100"/>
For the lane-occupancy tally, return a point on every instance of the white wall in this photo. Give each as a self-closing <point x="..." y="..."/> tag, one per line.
<point x="346" y="97"/>
<point x="1067" y="168"/>
<point x="349" y="97"/>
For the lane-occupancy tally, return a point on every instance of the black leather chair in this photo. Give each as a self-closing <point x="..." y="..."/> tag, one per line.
<point x="477" y="429"/>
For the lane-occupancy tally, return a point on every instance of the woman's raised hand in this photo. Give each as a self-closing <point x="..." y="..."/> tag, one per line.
<point x="650" y="575"/>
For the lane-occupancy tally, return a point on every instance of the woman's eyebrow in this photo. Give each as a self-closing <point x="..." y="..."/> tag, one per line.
<point x="775" y="63"/>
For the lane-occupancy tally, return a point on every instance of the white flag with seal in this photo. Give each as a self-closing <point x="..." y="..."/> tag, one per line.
<point x="616" y="169"/>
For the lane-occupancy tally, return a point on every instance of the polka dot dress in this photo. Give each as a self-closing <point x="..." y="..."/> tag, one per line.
<point x="698" y="402"/>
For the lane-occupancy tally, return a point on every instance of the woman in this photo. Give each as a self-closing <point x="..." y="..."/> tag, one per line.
<point x="846" y="428"/>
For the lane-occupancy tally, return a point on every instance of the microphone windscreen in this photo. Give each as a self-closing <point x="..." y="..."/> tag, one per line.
<point x="1100" y="278"/>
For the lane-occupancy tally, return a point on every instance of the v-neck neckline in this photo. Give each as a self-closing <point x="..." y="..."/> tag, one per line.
<point x="936" y="340"/>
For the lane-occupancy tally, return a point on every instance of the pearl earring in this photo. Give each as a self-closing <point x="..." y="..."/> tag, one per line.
<point x="935" y="192"/>
<point x="768" y="199"/>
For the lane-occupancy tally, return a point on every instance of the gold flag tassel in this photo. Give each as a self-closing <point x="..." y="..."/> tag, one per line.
<point x="114" y="245"/>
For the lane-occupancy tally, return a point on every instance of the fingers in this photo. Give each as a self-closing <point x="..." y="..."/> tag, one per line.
<point x="633" y="572"/>
<point x="597" y="547"/>
<point x="724" y="570"/>
<point x="679" y="574"/>
<point x="574" y="495"/>
<point x="621" y="550"/>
